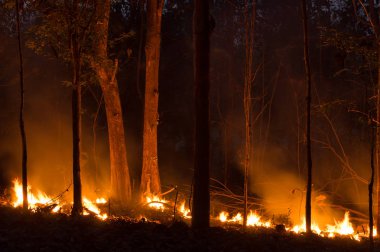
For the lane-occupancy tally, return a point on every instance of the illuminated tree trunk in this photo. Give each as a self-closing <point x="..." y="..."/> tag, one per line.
<point x="308" y="137"/>
<point x="201" y="37"/>
<point x="21" y="118"/>
<point x="374" y="15"/>
<point x="370" y="185"/>
<point x="150" y="177"/>
<point x="378" y="138"/>
<point x="76" y="109"/>
<point x="248" y="79"/>
<point x="106" y="73"/>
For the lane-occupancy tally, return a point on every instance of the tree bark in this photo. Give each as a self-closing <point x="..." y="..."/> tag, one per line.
<point x="374" y="22"/>
<point x="21" y="115"/>
<point x="201" y="37"/>
<point x="76" y="110"/>
<point x="308" y="121"/>
<point x="371" y="182"/>
<point x="249" y="21"/>
<point x="150" y="177"/>
<point x="106" y="73"/>
<point x="377" y="145"/>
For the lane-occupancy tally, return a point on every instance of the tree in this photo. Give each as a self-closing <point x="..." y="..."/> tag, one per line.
<point x="201" y="38"/>
<point x="75" y="48"/>
<point x="150" y="177"/>
<point x="249" y="22"/>
<point x="373" y="16"/>
<point x="106" y="70"/>
<point x="21" y="117"/>
<point x="308" y="112"/>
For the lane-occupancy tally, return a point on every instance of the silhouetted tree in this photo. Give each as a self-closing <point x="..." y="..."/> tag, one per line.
<point x="201" y="37"/>
<point x="308" y="115"/>
<point x="21" y="118"/>
<point x="75" y="48"/>
<point x="249" y="23"/>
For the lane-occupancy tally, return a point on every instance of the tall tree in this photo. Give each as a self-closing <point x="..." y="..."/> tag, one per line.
<point x="201" y="37"/>
<point x="150" y="177"/>
<point x="106" y="71"/>
<point x="249" y="20"/>
<point x="308" y="115"/>
<point x="21" y="116"/>
<point x="373" y="16"/>
<point x="75" y="48"/>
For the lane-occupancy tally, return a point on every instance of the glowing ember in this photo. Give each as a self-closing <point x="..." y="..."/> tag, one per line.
<point x="156" y="202"/>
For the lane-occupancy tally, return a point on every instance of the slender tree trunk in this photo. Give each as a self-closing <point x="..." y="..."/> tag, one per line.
<point x="106" y="73"/>
<point x="370" y="185"/>
<point x="377" y="145"/>
<point x="150" y="177"/>
<point x="308" y="124"/>
<point x="201" y="37"/>
<point x="374" y="22"/>
<point x="21" y="118"/>
<point x="76" y="112"/>
<point x="248" y="79"/>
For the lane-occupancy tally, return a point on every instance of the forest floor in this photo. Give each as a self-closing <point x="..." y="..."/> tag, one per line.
<point x="20" y="231"/>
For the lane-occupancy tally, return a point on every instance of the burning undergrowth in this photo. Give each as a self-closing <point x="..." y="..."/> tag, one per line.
<point x="167" y="209"/>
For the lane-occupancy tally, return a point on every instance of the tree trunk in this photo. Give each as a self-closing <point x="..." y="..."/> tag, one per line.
<point x="21" y="116"/>
<point x="106" y="74"/>
<point x="150" y="177"/>
<point x="370" y="185"/>
<point x="374" y="22"/>
<point x="76" y="112"/>
<point x="201" y="37"/>
<point x="308" y="124"/>
<point x="378" y="138"/>
<point x="249" y="21"/>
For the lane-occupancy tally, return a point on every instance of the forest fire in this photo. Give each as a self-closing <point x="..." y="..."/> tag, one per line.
<point x="41" y="200"/>
<point x="155" y="202"/>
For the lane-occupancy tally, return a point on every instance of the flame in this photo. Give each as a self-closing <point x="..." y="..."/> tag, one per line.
<point x="223" y="216"/>
<point x="155" y="202"/>
<point x="302" y="228"/>
<point x="253" y="219"/>
<point x="343" y="228"/>
<point x="101" y="201"/>
<point x="33" y="200"/>
<point x="90" y="206"/>
<point x="185" y="211"/>
<point x="41" y="200"/>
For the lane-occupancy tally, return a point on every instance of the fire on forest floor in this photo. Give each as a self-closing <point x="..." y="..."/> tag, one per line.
<point x="160" y="207"/>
